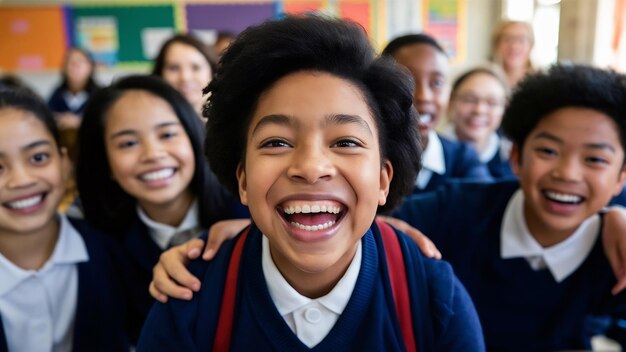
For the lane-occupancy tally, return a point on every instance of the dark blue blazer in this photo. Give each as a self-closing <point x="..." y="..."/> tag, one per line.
<point x="443" y="316"/>
<point x="462" y="163"/>
<point x="520" y="309"/>
<point x="500" y="168"/>
<point x="57" y="103"/>
<point x="101" y="322"/>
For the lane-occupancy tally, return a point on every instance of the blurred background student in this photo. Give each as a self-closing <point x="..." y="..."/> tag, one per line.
<point x="77" y="85"/>
<point x="475" y="110"/>
<point x="512" y="43"/>
<point x="187" y="64"/>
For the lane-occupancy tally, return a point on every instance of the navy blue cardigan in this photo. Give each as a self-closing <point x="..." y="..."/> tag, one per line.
<point x="520" y="309"/>
<point x="462" y="163"/>
<point x="101" y="322"/>
<point x="443" y="316"/>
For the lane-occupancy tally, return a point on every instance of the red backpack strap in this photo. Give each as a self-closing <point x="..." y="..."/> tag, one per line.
<point x="227" y="309"/>
<point x="399" y="286"/>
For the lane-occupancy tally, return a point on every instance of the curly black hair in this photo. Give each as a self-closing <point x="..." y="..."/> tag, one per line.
<point x="565" y="85"/>
<point x="411" y="39"/>
<point x="263" y="54"/>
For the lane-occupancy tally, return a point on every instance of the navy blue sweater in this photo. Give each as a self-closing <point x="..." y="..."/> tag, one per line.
<point x="520" y="309"/>
<point x="462" y="163"/>
<point x="443" y="316"/>
<point x="101" y="321"/>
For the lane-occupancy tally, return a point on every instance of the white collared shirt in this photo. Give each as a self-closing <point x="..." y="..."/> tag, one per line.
<point x="75" y="101"/>
<point x="493" y="144"/>
<point x="562" y="259"/>
<point x="38" y="307"/>
<point x="163" y="233"/>
<point x="432" y="160"/>
<point x="310" y="319"/>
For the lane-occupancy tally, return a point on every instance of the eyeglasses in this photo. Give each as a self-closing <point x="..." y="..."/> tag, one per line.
<point x="470" y="99"/>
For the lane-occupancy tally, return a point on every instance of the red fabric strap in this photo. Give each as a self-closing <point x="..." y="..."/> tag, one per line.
<point x="397" y="276"/>
<point x="399" y="286"/>
<point x="227" y="310"/>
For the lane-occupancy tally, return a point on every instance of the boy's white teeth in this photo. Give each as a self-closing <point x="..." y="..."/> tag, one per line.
<point x="563" y="197"/>
<point x="313" y="227"/>
<point x="158" y="175"/>
<point x="425" y="118"/>
<point x="26" y="202"/>
<point x="312" y="209"/>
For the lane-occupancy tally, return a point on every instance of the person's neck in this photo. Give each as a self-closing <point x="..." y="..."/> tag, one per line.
<point x="313" y="285"/>
<point x="514" y="75"/>
<point x="30" y="251"/>
<point x="172" y="213"/>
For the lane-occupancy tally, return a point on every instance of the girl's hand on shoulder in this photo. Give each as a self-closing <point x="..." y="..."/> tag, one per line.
<point x="427" y="247"/>
<point x="170" y="275"/>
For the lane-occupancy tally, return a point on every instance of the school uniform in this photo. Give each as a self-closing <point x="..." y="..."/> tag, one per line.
<point x="74" y="302"/>
<point x="445" y="160"/>
<point x="62" y="100"/>
<point x="443" y="317"/>
<point x="528" y="298"/>
<point x="495" y="155"/>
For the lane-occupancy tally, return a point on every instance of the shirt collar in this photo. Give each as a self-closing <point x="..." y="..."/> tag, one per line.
<point x="493" y="144"/>
<point x="288" y="300"/>
<point x="163" y="233"/>
<point x="69" y="249"/>
<point x="561" y="259"/>
<point x="433" y="158"/>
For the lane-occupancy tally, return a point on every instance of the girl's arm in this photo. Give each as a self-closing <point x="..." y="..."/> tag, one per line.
<point x="172" y="279"/>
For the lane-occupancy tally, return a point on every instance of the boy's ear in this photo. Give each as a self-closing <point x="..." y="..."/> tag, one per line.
<point x="514" y="159"/>
<point x="243" y="184"/>
<point x="386" y="174"/>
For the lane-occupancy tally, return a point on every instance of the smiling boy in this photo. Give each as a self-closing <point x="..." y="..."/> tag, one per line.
<point x="315" y="131"/>
<point x="529" y="252"/>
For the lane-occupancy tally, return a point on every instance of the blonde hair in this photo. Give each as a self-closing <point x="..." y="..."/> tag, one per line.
<point x="498" y="33"/>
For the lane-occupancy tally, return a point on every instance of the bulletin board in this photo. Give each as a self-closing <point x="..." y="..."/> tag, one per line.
<point x="122" y="33"/>
<point x="116" y="34"/>
<point x="445" y="20"/>
<point x="30" y="38"/>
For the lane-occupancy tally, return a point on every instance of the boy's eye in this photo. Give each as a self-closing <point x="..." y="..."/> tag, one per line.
<point x="40" y="158"/>
<point x="275" y="143"/>
<point x="437" y="83"/>
<point x="597" y="160"/>
<point x="546" y="151"/>
<point x="347" y="143"/>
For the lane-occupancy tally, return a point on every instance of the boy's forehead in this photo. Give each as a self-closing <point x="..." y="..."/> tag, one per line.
<point x="422" y="54"/>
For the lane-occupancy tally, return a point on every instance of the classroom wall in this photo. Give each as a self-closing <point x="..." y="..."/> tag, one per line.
<point x="466" y="30"/>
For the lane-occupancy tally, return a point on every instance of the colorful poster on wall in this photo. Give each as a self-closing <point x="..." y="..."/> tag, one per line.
<point x="299" y="7"/>
<point x="99" y="36"/>
<point x="31" y="38"/>
<point x="102" y="25"/>
<point x="444" y="19"/>
<point x="359" y="12"/>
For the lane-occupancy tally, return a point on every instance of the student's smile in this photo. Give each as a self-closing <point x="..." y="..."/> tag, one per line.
<point x="313" y="177"/>
<point x="148" y="150"/>
<point x="571" y="165"/>
<point x="33" y="173"/>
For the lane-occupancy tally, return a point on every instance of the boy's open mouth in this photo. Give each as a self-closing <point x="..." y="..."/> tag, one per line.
<point x="563" y="198"/>
<point x="312" y="215"/>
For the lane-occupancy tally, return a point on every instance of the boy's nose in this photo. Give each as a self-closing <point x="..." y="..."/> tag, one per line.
<point x="311" y="164"/>
<point x="567" y="169"/>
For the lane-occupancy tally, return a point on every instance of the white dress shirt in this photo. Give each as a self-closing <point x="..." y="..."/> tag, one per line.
<point x="38" y="306"/>
<point x="310" y="319"/>
<point x="493" y="144"/>
<point x="163" y="233"/>
<point x="432" y="160"/>
<point x="562" y="259"/>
